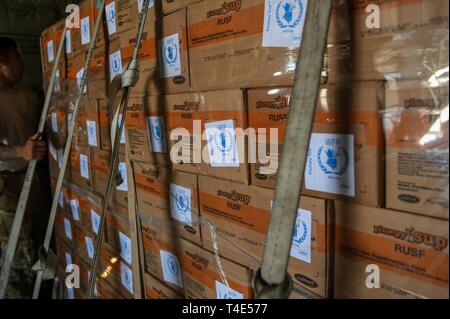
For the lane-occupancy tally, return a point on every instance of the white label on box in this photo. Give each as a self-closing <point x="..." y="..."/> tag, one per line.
<point x="89" y="246"/>
<point x="141" y="2"/>
<point x="170" y="52"/>
<point x="126" y="277"/>
<point x="68" y="259"/>
<point x="68" y="42"/>
<point x="180" y="204"/>
<point x="123" y="173"/>
<point x="284" y="22"/>
<point x="70" y="293"/>
<point x="61" y="200"/>
<point x="60" y="154"/>
<point x="224" y="292"/>
<point x="92" y="132"/>
<point x="110" y="10"/>
<point x="301" y="241"/>
<point x="53" y="150"/>
<point x="330" y="165"/>
<point x="69" y="119"/>
<point x="222" y="144"/>
<point x="57" y="86"/>
<point x="85" y="31"/>
<point x="119" y="123"/>
<point x="171" y="268"/>
<point x="115" y="64"/>
<point x="157" y="132"/>
<point x="79" y="79"/>
<point x="125" y="247"/>
<point x="95" y="219"/>
<point x="68" y="228"/>
<point x="84" y="166"/>
<point x="54" y="122"/>
<point x="50" y="51"/>
<point x="74" y="208"/>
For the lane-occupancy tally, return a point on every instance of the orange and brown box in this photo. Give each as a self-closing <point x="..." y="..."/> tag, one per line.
<point x="215" y="115"/>
<point x="204" y="279"/>
<point x="170" y="198"/>
<point x="146" y="130"/>
<point x="155" y="289"/>
<point x="118" y="235"/>
<point x="406" y="26"/>
<point x="84" y="242"/>
<point x="85" y="207"/>
<point x="161" y="253"/>
<point x="244" y="43"/>
<point x="115" y="271"/>
<point x="416" y="131"/>
<point x="405" y="254"/>
<point x="82" y="36"/>
<point x="149" y="82"/>
<point x="128" y="12"/>
<point x="345" y="159"/>
<point x="98" y="75"/>
<point x="87" y="129"/>
<point x="81" y="167"/>
<point x="63" y="200"/>
<point x="57" y="123"/>
<point x="169" y="6"/>
<point x="119" y="193"/>
<point x="240" y="217"/>
<point x="50" y="40"/>
<point x="105" y="122"/>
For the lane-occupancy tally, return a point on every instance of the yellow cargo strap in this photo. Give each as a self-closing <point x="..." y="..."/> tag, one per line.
<point x="26" y="187"/>
<point x="125" y="81"/>
<point x="272" y="280"/>
<point x="67" y="148"/>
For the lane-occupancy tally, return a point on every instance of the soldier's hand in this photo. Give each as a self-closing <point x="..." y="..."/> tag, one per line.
<point x="34" y="148"/>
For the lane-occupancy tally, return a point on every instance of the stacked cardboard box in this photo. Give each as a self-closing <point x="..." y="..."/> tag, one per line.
<point x="213" y="74"/>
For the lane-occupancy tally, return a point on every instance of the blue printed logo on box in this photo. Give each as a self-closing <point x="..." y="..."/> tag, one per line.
<point x="289" y="14"/>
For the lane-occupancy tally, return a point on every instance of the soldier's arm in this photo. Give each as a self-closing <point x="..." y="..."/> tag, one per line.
<point x="8" y="153"/>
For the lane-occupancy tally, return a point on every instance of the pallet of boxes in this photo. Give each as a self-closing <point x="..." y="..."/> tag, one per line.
<point x="205" y="129"/>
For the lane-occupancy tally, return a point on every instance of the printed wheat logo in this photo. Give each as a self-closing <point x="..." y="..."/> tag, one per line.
<point x="373" y="20"/>
<point x="73" y="19"/>
<point x="373" y="279"/>
<point x="73" y="278"/>
<point x="289" y="14"/>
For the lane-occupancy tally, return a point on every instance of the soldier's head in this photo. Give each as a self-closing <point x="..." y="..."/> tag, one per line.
<point x="11" y="66"/>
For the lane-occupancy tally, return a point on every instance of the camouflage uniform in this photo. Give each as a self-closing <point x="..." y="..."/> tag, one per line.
<point x="21" y="278"/>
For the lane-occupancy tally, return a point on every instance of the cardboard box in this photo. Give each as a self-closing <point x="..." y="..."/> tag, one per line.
<point x="410" y="251"/>
<point x="240" y="216"/>
<point x="105" y="120"/>
<point x="161" y="254"/>
<point x="149" y="83"/>
<point x="347" y="115"/>
<point x="128" y="13"/>
<point x="213" y="114"/>
<point x="98" y="78"/>
<point x="169" y="198"/>
<point x="87" y="129"/>
<point x="81" y="167"/>
<point x="202" y="276"/>
<point x="85" y="208"/>
<point x="118" y="235"/>
<point x="119" y="193"/>
<point x="157" y="290"/>
<point x="146" y="130"/>
<point x="64" y="228"/>
<point x="84" y="243"/>
<point x="116" y="272"/>
<point x="50" y="40"/>
<point x="406" y="26"/>
<point x="416" y="130"/>
<point x="173" y="48"/>
<point x="83" y="36"/>
<point x="57" y="123"/>
<point x="106" y="291"/>
<point x="59" y="88"/>
<point x="230" y="45"/>
<point x="169" y="6"/>
<point x="111" y="26"/>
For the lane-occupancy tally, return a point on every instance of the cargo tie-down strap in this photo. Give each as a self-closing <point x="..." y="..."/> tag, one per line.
<point x="67" y="149"/>
<point x="26" y="187"/>
<point x="272" y="280"/>
<point x="125" y="82"/>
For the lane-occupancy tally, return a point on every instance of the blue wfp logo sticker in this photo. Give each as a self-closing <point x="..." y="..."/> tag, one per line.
<point x="289" y="14"/>
<point x="300" y="233"/>
<point x="157" y="133"/>
<point x="283" y="22"/>
<point x="171" y="54"/>
<point x="223" y="140"/>
<point x="180" y="206"/>
<point x="333" y="158"/>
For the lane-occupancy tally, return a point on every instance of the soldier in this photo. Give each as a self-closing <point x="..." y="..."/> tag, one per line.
<point x="20" y="110"/>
